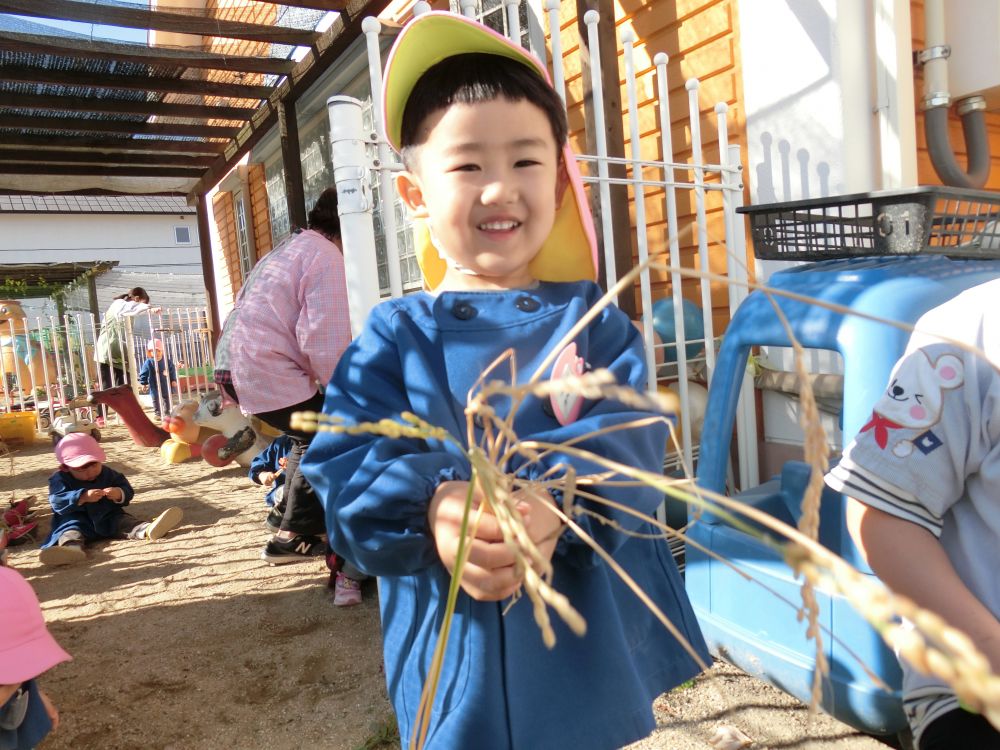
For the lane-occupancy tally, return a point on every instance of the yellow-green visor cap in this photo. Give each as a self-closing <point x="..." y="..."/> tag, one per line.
<point x="570" y="251"/>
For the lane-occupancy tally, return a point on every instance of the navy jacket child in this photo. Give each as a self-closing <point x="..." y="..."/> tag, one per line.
<point x="159" y="375"/>
<point x="269" y="462"/>
<point x="88" y="502"/>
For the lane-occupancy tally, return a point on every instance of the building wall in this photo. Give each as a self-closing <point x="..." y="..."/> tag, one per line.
<point x="141" y="243"/>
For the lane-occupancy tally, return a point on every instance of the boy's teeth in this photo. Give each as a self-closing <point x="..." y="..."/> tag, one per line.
<point x="499" y="225"/>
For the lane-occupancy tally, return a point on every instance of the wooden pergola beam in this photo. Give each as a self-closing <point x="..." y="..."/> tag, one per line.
<point x="143" y="18"/>
<point x="166" y="56"/>
<point x="124" y="106"/>
<point x="102" y="157"/>
<point x="345" y="29"/>
<point x="100" y="170"/>
<point x="115" y="144"/>
<point x="334" y="5"/>
<point x="85" y="124"/>
<point x="28" y="74"/>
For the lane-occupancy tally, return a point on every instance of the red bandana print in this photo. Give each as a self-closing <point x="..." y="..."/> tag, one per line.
<point x="881" y="425"/>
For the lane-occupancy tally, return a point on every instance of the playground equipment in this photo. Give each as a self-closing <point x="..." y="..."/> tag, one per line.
<point x="768" y="641"/>
<point x="25" y="364"/>
<point x="664" y="325"/>
<point x="186" y="436"/>
<point x="123" y="401"/>
<point x="76" y="416"/>
<point x="238" y="440"/>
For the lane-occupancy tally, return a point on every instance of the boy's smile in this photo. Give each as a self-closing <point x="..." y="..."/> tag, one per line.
<point x="488" y="179"/>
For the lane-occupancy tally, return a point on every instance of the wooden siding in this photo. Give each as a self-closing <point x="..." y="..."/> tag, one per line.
<point x="260" y="213"/>
<point x="925" y="170"/>
<point x="701" y="39"/>
<point x="225" y="221"/>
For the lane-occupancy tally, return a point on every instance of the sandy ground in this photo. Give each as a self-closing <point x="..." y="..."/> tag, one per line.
<point x="193" y="642"/>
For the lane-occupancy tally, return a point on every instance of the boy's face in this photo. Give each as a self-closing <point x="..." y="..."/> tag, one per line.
<point x="157" y="354"/>
<point x="489" y="179"/>
<point x="87" y="472"/>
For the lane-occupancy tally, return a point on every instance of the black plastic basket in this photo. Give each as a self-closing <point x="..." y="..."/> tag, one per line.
<point x="946" y="221"/>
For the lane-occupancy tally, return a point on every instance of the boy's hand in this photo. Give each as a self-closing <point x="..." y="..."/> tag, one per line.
<point x="489" y="574"/>
<point x="540" y="520"/>
<point x="114" y="494"/>
<point x="91" y="496"/>
<point x="266" y="478"/>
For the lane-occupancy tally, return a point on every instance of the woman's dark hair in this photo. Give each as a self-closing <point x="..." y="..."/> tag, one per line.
<point x="135" y="292"/>
<point x="473" y="78"/>
<point x="324" y="217"/>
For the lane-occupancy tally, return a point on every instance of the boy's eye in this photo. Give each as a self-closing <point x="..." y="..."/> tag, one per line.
<point x="527" y="163"/>
<point x="465" y="168"/>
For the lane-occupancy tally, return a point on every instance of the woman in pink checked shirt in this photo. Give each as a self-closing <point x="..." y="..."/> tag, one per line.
<point x="277" y="351"/>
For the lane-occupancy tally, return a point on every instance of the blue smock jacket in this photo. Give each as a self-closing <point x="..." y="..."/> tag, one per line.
<point x="94" y="520"/>
<point x="501" y="687"/>
<point x="267" y="460"/>
<point x="158" y="374"/>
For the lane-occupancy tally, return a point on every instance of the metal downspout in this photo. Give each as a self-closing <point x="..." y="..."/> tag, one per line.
<point x="934" y="58"/>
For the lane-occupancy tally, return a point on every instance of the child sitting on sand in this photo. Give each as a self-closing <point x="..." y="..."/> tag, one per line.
<point x="88" y="501"/>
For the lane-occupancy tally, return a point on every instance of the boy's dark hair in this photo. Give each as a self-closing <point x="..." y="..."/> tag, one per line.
<point x="324" y="217"/>
<point x="472" y="78"/>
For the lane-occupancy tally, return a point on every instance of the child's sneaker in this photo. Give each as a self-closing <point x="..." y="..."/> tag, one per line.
<point x="346" y="591"/>
<point x="163" y="523"/>
<point x="62" y="554"/>
<point x="280" y="551"/>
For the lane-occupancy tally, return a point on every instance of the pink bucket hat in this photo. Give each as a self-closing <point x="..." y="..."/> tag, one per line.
<point x="26" y="647"/>
<point x="79" y="449"/>
<point x="570" y="252"/>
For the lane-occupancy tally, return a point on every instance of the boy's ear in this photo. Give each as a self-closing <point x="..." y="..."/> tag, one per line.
<point x="562" y="182"/>
<point x="412" y="194"/>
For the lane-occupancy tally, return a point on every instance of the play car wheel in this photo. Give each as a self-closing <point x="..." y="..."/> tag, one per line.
<point x="212" y="448"/>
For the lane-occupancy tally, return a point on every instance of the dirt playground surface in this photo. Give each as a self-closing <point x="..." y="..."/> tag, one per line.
<point x="193" y="643"/>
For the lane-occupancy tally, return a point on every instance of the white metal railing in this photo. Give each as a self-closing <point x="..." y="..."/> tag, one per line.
<point x="700" y="178"/>
<point x="46" y="363"/>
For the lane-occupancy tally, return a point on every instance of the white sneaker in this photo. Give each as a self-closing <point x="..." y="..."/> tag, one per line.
<point x="62" y="554"/>
<point x="163" y="523"/>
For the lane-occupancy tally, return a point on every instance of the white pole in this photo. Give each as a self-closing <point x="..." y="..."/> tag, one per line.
<point x="749" y="461"/>
<point x="58" y="355"/>
<point x="645" y="292"/>
<point x="558" y="76"/>
<point x="100" y="378"/>
<point x="31" y="360"/>
<point x="591" y="18"/>
<point x="17" y="370"/>
<point x="699" y="197"/>
<point x="513" y="21"/>
<point x="69" y="355"/>
<point x="351" y="175"/>
<point x="422" y="7"/>
<point x="468" y="8"/>
<point x="8" y="404"/>
<point x="387" y="205"/>
<point x="45" y="373"/>
<point x="676" y="280"/>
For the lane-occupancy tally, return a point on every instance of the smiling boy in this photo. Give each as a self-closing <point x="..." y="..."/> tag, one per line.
<point x="507" y="251"/>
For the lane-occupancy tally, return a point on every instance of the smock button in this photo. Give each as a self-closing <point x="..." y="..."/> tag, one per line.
<point x="463" y="311"/>
<point x="527" y="304"/>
